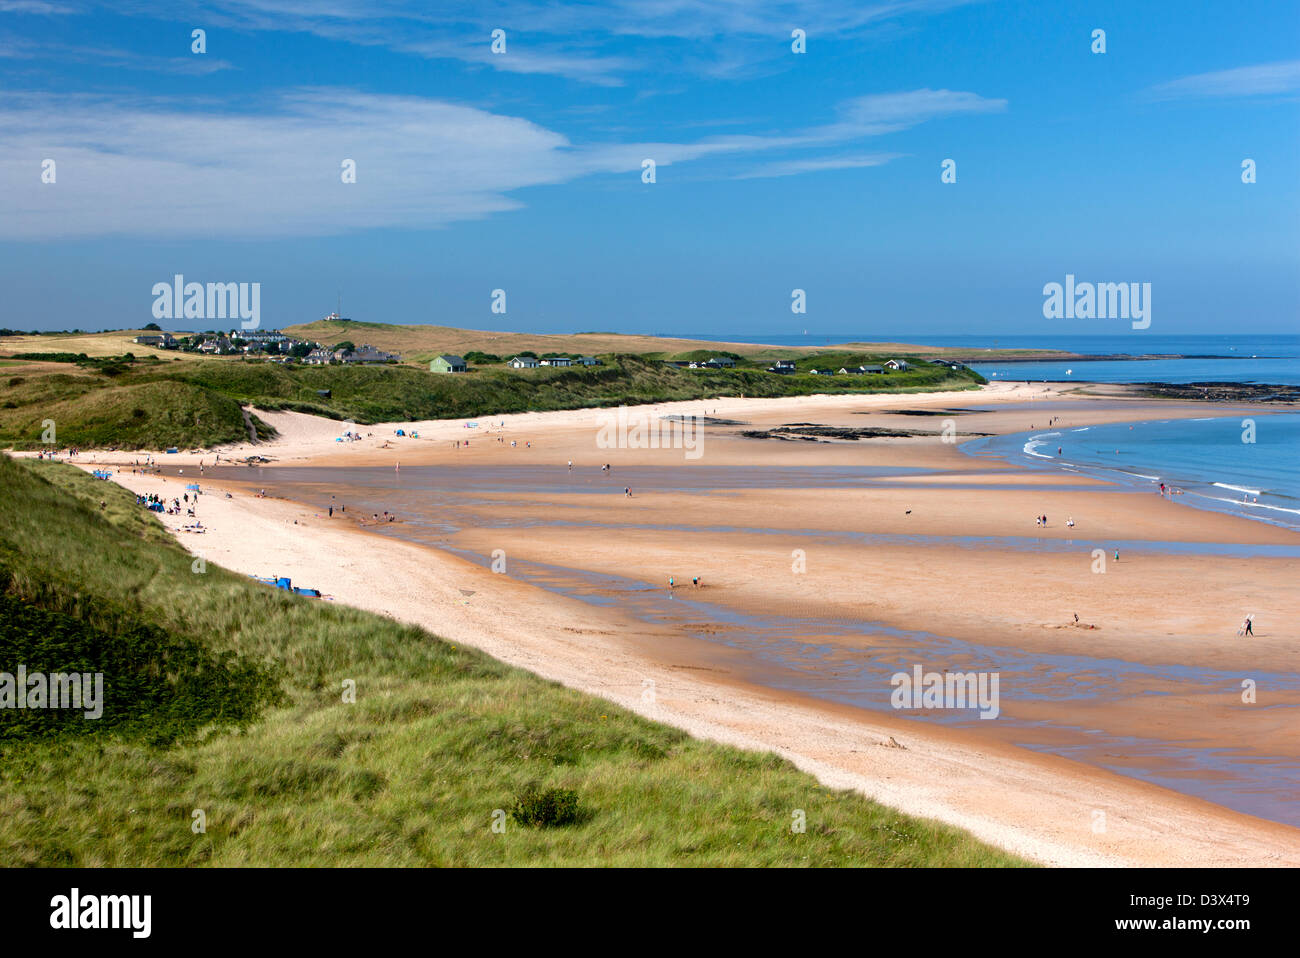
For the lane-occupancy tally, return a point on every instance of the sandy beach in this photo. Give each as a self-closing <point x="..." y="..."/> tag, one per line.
<point x="952" y="552"/>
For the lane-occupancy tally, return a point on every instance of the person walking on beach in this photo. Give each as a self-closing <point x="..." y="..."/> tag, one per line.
<point x="1246" y="627"/>
<point x="671" y="584"/>
<point x="627" y="491"/>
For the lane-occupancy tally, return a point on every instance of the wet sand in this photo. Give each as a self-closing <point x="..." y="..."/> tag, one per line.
<point x="965" y="581"/>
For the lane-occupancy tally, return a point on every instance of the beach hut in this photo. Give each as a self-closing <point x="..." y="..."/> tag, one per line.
<point x="898" y="365"/>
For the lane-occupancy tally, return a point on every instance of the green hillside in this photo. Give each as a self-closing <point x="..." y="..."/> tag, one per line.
<point x="159" y="404"/>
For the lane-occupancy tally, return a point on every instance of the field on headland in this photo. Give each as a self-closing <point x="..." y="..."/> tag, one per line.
<point x="424" y="342"/>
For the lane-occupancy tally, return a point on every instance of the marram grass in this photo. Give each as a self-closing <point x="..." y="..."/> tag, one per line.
<point x="440" y="744"/>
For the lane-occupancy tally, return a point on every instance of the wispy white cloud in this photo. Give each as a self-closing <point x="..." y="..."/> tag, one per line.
<point x="145" y="168"/>
<point x="881" y="113"/>
<point x="1265" y="79"/>
<point x="37" y="7"/>
<point x="549" y="59"/>
<point x="16" y="48"/>
<point x="715" y="38"/>
<point x="798" y="167"/>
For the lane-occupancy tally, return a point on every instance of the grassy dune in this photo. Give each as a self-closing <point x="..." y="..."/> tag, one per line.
<point x="411" y="774"/>
<point x="137" y="413"/>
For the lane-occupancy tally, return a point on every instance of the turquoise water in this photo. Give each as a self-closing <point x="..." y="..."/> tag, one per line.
<point x="1206" y="458"/>
<point x="1264" y="369"/>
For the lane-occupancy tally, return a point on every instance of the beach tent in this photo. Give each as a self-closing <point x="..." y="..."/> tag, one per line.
<point x="172" y="449"/>
<point x="193" y="487"/>
<point x="401" y="432"/>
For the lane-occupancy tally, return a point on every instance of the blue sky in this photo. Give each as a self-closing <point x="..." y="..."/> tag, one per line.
<point x="775" y="170"/>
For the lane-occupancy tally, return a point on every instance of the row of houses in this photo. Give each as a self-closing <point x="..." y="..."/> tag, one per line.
<point x="786" y="366"/>
<point x="448" y="363"/>
<point x="532" y="362"/>
<point x="272" y="341"/>
<point x="361" y="355"/>
<point x="717" y="362"/>
<point x="224" y="344"/>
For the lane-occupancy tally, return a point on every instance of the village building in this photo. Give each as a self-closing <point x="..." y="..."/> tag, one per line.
<point x="448" y="364"/>
<point x="366" y="353"/>
<point x="157" y="340"/>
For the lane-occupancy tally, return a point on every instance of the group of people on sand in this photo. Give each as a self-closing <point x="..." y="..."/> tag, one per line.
<point x="672" y="583"/>
<point x="171" y="507"/>
<point x="1042" y="521"/>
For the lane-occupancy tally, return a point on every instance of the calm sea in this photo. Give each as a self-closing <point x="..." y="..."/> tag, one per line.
<point x="1206" y="458"/>
<point x="1247" y="465"/>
